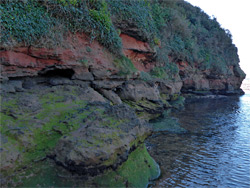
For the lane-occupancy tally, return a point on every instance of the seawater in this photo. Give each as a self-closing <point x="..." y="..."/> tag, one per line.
<point x="214" y="151"/>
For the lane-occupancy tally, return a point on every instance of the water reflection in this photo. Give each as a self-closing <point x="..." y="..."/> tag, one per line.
<point x="215" y="150"/>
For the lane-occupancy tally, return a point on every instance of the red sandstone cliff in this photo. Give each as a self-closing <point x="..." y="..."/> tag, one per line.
<point x="82" y="60"/>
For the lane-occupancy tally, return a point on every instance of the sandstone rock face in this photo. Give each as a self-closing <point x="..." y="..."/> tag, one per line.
<point x="106" y="84"/>
<point x="149" y="99"/>
<point x="77" y="55"/>
<point x="140" y="53"/>
<point x="112" y="96"/>
<point x="169" y="87"/>
<point x="137" y="90"/>
<point x="195" y="79"/>
<point x="80" y="60"/>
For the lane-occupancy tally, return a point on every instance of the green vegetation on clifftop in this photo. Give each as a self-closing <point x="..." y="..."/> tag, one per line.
<point x="184" y="32"/>
<point x="44" y="23"/>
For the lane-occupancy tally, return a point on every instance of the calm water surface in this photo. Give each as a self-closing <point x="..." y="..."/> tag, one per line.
<point x="215" y="150"/>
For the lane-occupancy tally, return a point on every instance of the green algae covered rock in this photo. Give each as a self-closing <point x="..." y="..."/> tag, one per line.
<point x="74" y="125"/>
<point x="146" y="109"/>
<point x="103" y="141"/>
<point x="32" y="122"/>
<point x="137" y="171"/>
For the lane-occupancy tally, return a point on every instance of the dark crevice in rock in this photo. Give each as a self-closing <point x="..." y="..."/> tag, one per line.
<point x="52" y="72"/>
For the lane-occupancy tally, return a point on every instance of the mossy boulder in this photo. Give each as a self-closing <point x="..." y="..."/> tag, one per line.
<point x="137" y="171"/>
<point x="146" y="109"/>
<point x="87" y="132"/>
<point x="32" y="122"/>
<point x="102" y="141"/>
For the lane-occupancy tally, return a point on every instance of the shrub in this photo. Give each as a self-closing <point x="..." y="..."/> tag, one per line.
<point x="67" y="2"/>
<point x="23" y="21"/>
<point x="136" y="14"/>
<point x="191" y="35"/>
<point x="28" y="21"/>
<point x="91" y="17"/>
<point x="145" y="76"/>
<point x="125" y="65"/>
<point x="168" y="71"/>
<point x="159" y="72"/>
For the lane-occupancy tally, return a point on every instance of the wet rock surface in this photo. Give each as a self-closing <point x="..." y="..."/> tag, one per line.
<point x="70" y="122"/>
<point x="105" y="140"/>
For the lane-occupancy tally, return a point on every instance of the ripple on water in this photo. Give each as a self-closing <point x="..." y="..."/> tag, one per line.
<point x="215" y="150"/>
